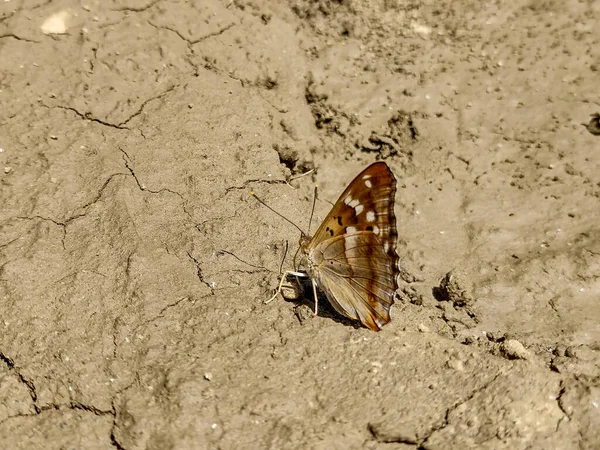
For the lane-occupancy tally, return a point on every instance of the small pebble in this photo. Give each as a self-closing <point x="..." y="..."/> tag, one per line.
<point x="594" y="125"/>
<point x="513" y="349"/>
<point x="456" y="288"/>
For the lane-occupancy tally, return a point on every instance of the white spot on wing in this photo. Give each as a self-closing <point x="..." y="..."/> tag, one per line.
<point x="366" y="177"/>
<point x="347" y="200"/>
<point x="370" y="216"/>
<point x="351" y="230"/>
<point x="368" y="184"/>
<point x="376" y="230"/>
<point x="358" y="209"/>
<point x="353" y="204"/>
<point x="386" y="247"/>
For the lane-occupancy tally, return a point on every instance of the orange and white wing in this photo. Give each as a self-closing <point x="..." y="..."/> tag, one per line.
<point x="367" y="204"/>
<point x="358" y="277"/>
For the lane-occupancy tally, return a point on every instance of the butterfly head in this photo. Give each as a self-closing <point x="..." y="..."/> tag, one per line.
<point x="304" y="240"/>
<point x="303" y="244"/>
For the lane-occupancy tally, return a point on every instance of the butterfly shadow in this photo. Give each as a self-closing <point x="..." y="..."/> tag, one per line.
<point x="306" y="300"/>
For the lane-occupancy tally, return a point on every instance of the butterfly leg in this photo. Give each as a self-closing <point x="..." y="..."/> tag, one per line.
<point x="314" y="284"/>
<point x="283" y="278"/>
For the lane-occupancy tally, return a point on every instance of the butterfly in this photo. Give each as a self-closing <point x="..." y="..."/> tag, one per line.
<point x="352" y="256"/>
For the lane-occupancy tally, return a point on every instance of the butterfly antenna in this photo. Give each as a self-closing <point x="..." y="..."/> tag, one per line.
<point x="313" y="208"/>
<point x="295" y="256"/>
<point x="283" y="259"/>
<point x="223" y="252"/>
<point x="279" y="214"/>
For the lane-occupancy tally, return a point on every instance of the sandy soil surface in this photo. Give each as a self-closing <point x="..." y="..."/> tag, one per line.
<point x="134" y="263"/>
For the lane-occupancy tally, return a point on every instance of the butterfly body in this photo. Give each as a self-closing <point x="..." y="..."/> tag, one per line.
<point x="352" y="256"/>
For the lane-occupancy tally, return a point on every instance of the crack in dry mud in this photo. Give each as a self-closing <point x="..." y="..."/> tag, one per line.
<point x="192" y="42"/>
<point x="27" y="382"/>
<point x="143" y="187"/>
<point x="161" y="313"/>
<point x="144" y="103"/>
<point x="96" y="198"/>
<point x="47" y="219"/>
<point x="18" y="38"/>
<point x="136" y="8"/>
<point x="200" y="274"/>
<point x="119" y="126"/>
<point x="208" y="65"/>
<point x="73" y="405"/>
<point x="559" y="400"/>
<point x="64" y="224"/>
<point x="568" y="416"/>
<point x="6" y="244"/>
<point x="8" y="16"/>
<point x="553" y="303"/>
<point x="367" y="66"/>
<point x="88" y="116"/>
<point x="78" y="407"/>
<point x="446" y="420"/>
<point x="59" y="407"/>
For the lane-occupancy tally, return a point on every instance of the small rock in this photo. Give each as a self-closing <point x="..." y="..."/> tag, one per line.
<point x="303" y="313"/>
<point x="455" y="287"/>
<point x="56" y="23"/>
<point x="291" y="291"/>
<point x="470" y="340"/>
<point x="423" y="328"/>
<point x="582" y="352"/>
<point x="208" y="376"/>
<point x="594" y="125"/>
<point x="513" y="349"/>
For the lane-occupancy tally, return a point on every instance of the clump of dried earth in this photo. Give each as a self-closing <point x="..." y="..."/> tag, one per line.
<point x="134" y="264"/>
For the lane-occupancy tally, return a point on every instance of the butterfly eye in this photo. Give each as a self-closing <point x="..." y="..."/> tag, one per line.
<point x="303" y="240"/>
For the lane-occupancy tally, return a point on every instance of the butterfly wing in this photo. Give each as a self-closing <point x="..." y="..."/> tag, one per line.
<point x="357" y="277"/>
<point x="367" y="204"/>
<point x="352" y="256"/>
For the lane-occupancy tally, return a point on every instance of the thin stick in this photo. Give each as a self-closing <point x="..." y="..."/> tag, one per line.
<point x="301" y="175"/>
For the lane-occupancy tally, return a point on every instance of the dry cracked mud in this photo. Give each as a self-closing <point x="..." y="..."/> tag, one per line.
<point x="134" y="263"/>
